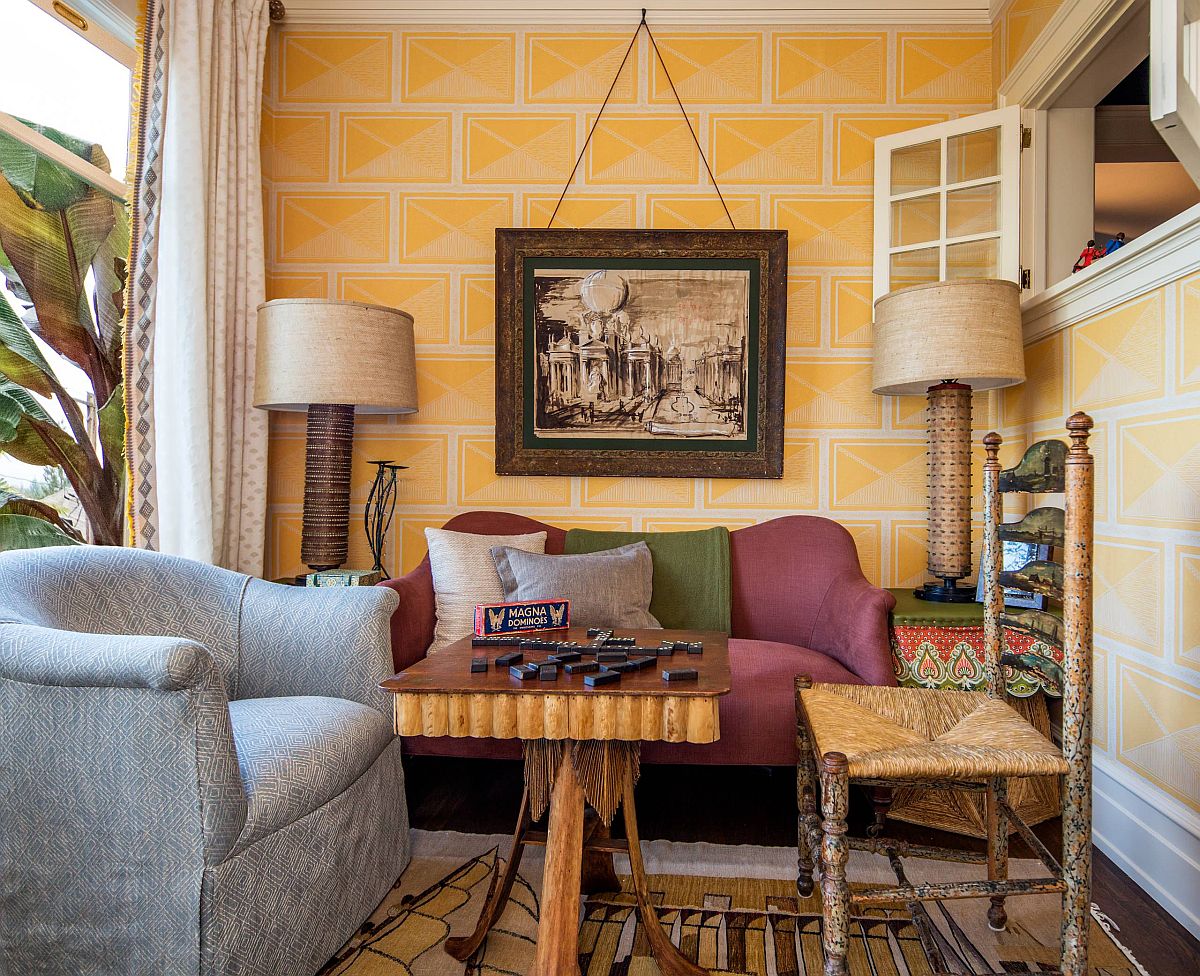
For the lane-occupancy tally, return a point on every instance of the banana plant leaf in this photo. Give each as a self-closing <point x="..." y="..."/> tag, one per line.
<point x="112" y="428"/>
<point x="27" y="532"/>
<point x="30" y="435"/>
<point x="16" y="505"/>
<point x="10" y="417"/>
<point x="109" y="272"/>
<point x="20" y="359"/>
<point x="51" y="274"/>
<point x="24" y="400"/>
<point x="42" y="183"/>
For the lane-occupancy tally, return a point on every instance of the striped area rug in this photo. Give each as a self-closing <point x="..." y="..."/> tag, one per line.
<point x="732" y="909"/>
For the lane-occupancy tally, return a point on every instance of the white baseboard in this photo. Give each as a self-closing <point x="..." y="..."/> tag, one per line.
<point x="1150" y="836"/>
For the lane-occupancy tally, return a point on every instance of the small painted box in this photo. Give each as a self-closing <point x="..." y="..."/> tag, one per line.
<point x="344" y="577"/>
<point x="523" y="617"/>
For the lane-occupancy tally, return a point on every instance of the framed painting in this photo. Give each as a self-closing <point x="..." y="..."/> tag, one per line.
<point x="640" y="353"/>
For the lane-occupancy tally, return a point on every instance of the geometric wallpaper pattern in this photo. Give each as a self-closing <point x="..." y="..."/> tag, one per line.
<point x="1136" y="369"/>
<point x="391" y="155"/>
<point x="1126" y="367"/>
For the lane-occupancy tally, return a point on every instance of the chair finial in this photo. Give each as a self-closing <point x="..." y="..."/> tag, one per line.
<point x="991" y="443"/>
<point x="1079" y="426"/>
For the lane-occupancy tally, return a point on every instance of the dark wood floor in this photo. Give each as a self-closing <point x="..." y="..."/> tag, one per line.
<point x="756" y="805"/>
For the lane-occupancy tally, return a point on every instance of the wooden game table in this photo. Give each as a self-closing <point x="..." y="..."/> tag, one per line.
<point x="582" y="749"/>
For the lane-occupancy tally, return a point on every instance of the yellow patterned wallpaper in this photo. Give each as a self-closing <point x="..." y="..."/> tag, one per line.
<point x="1014" y="31"/>
<point x="1136" y="370"/>
<point x="392" y="155"/>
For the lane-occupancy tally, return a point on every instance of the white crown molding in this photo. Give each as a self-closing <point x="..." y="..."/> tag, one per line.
<point x="1065" y="45"/>
<point x="1150" y="836"/>
<point x="452" y="13"/>
<point x="1167" y="253"/>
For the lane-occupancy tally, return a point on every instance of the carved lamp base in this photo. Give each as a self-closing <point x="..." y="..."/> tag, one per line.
<point x="324" y="539"/>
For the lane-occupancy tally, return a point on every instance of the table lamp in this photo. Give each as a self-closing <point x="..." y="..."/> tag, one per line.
<point x="946" y="339"/>
<point x="330" y="358"/>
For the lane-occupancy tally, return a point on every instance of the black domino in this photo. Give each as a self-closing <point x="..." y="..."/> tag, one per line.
<point x="523" y="671"/>
<point x="601" y="678"/>
<point x="478" y="664"/>
<point x="547" y="672"/>
<point x="582" y="667"/>
<point x="509" y="659"/>
<point x="680" y="674"/>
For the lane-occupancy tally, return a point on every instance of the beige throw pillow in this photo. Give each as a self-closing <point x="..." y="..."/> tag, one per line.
<point x="464" y="575"/>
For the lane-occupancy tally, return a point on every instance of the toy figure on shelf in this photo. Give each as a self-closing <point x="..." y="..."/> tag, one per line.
<point x="1087" y="256"/>
<point x="1115" y="243"/>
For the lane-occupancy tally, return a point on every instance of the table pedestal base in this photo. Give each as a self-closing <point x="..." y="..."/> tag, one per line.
<point x="579" y="852"/>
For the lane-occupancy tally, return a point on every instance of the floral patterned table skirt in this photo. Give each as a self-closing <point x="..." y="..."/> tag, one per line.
<point x="928" y="656"/>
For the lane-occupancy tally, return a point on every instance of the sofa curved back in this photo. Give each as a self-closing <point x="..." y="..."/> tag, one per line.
<point x="794" y="581"/>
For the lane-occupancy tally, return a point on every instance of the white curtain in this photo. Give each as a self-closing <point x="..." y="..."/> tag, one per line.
<point x="209" y="443"/>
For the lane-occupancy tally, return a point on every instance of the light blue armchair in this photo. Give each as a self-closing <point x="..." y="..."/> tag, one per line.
<point x="197" y="769"/>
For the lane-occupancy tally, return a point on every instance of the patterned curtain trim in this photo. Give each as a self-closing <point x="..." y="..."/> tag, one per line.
<point x="144" y="178"/>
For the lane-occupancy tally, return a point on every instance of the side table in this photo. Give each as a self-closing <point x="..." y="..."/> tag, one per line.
<point x="582" y="747"/>
<point x="940" y="645"/>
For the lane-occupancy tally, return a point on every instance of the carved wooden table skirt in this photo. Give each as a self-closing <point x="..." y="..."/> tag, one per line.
<point x="581" y="748"/>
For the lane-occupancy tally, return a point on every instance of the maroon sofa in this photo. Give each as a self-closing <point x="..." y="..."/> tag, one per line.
<point x="801" y="605"/>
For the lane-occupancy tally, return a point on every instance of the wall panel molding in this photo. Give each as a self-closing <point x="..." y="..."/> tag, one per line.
<point x="674" y="12"/>
<point x="1169" y="252"/>
<point x="1150" y="836"/>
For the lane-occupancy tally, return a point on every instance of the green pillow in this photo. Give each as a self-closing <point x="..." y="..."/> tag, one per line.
<point x="692" y="588"/>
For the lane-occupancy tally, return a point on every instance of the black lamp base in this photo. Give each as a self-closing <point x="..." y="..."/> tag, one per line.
<point x="948" y="591"/>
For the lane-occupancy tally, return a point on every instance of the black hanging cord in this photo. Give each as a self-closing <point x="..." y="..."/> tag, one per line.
<point x="603" y="105"/>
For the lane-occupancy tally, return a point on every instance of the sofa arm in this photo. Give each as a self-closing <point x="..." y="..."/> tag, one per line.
<point x="331" y="642"/>
<point x="413" y="620"/>
<point x="122" y="740"/>
<point x="852" y="626"/>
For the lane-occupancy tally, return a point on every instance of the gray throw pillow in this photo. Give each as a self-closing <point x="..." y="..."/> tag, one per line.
<point x="612" y="588"/>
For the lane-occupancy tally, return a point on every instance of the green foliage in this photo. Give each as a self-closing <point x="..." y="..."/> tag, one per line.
<point x="31" y="532"/>
<point x="55" y="230"/>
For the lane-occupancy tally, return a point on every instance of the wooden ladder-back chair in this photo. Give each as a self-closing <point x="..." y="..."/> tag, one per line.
<point x="959" y="740"/>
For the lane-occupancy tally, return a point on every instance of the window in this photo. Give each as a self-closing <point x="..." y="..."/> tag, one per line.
<point x="65" y="257"/>
<point x="1094" y="87"/>
<point x="947" y="201"/>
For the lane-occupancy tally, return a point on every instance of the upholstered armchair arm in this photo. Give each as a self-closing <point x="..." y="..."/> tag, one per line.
<point x="852" y="626"/>
<point x="118" y="749"/>
<point x="330" y="641"/>
<point x="415" y="617"/>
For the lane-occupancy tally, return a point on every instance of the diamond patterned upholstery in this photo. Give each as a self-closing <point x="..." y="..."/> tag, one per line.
<point x="918" y="733"/>
<point x="297" y="753"/>
<point x="197" y="770"/>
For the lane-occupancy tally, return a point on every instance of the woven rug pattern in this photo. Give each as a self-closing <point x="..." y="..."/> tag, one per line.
<point x="733" y="910"/>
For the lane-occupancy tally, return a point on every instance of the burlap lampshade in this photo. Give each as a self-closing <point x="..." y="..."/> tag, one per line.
<point x="946" y="339"/>
<point x="331" y="358"/>
<point x="315" y="350"/>
<point x="967" y="330"/>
